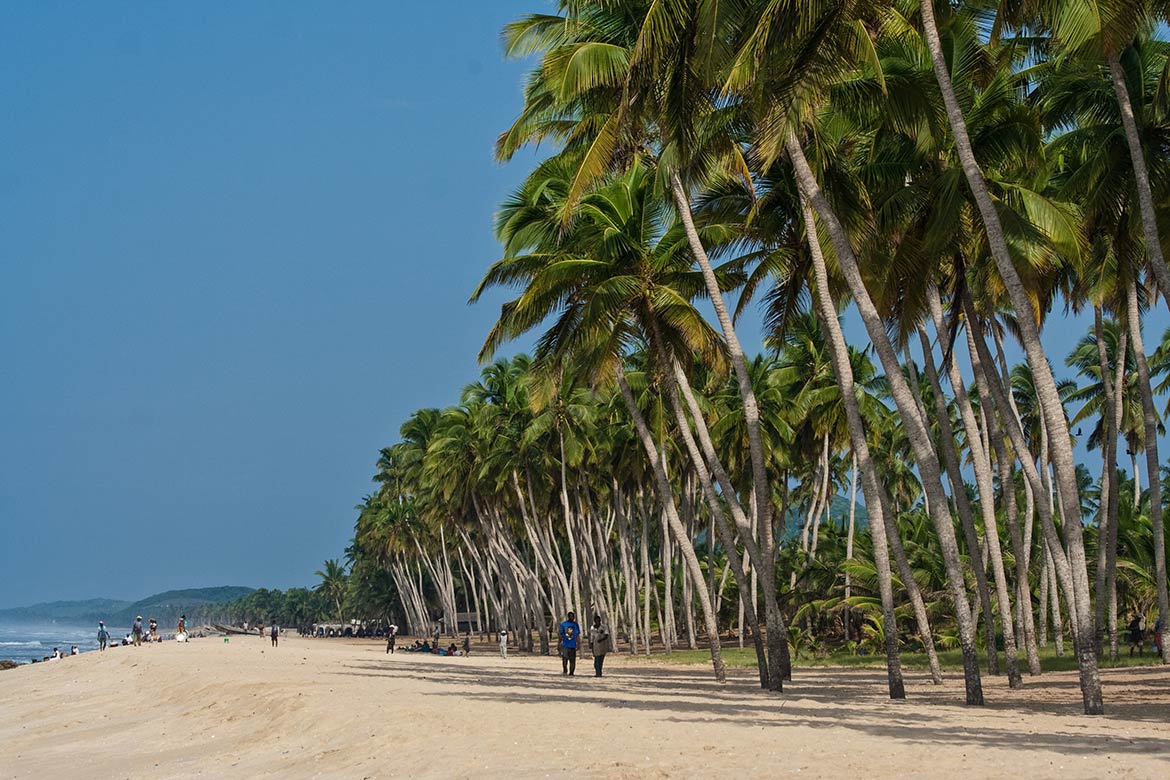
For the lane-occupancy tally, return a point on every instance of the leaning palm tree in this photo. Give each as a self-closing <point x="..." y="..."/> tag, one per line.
<point x="1029" y="334"/>
<point x="618" y="276"/>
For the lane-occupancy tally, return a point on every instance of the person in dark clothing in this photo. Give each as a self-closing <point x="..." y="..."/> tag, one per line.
<point x="598" y="643"/>
<point x="391" y="639"/>
<point x="275" y="633"/>
<point x="467" y="642"/>
<point x="570" y="633"/>
<point x="1137" y="634"/>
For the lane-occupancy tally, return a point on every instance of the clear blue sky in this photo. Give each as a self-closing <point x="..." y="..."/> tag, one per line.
<point x="237" y="244"/>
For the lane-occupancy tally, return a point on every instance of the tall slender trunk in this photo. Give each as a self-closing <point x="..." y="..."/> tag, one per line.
<point x="916" y="431"/>
<point x="839" y="354"/>
<point x="849" y="546"/>
<point x="1153" y="470"/>
<point x="1045" y="383"/>
<point x="1112" y="388"/>
<point x="761" y="558"/>
<point x="751" y="411"/>
<point x="987" y="505"/>
<point x="720" y="520"/>
<point x="1141" y="175"/>
<point x="687" y="548"/>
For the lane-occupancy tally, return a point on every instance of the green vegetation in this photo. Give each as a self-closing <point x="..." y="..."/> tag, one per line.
<point x="951" y="175"/>
<point x="949" y="660"/>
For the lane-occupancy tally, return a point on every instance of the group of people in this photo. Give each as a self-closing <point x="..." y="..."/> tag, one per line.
<point x="58" y="654"/>
<point x="139" y="633"/>
<point x="273" y="631"/>
<point x="570" y="637"/>
<point x="423" y="646"/>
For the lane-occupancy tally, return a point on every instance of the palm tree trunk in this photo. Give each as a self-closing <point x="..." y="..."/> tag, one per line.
<point x="966" y="516"/>
<point x="1141" y="176"/>
<point x="1153" y="475"/>
<point x="987" y="505"/>
<point x="846" y="618"/>
<point x="687" y="549"/>
<point x="751" y="410"/>
<point x="1045" y="383"/>
<point x="719" y="519"/>
<point x="916" y="431"/>
<point x="1111" y="387"/>
<point x="839" y="354"/>
<point x="777" y="634"/>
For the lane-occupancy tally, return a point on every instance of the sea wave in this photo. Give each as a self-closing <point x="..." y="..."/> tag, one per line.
<point x="20" y="644"/>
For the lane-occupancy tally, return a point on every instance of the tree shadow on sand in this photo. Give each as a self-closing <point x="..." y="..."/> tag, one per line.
<point x="820" y="698"/>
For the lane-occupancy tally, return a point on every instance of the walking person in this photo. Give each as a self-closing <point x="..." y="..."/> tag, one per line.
<point x="504" y="643"/>
<point x="598" y="643"/>
<point x="274" y="632"/>
<point x="1137" y="634"/>
<point x="435" y="634"/>
<point x="391" y="638"/>
<point x="136" y="631"/>
<point x="570" y="632"/>
<point x="103" y="635"/>
<point x="467" y="642"/>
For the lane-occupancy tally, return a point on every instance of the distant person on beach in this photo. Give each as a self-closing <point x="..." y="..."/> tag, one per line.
<point x="103" y="635"/>
<point x="598" y="643"/>
<point x="73" y="650"/>
<point x="436" y="634"/>
<point x="467" y="642"/>
<point x="1158" y="637"/>
<point x="182" y="627"/>
<point x="245" y="626"/>
<point x="391" y="638"/>
<point x="153" y="630"/>
<point x="1137" y="631"/>
<point x="136" y="631"/>
<point x="569" y="633"/>
<point x="504" y="643"/>
<point x="275" y="633"/>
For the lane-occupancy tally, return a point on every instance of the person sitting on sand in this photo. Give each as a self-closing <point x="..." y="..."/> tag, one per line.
<point x="569" y="633"/>
<point x="73" y="650"/>
<point x="153" y="630"/>
<point x="56" y="654"/>
<point x="103" y="635"/>
<point x="452" y="649"/>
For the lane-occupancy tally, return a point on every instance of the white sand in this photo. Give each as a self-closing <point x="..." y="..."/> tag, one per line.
<point x="344" y="709"/>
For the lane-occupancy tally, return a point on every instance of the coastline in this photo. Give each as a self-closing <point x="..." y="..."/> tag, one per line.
<point x="343" y="708"/>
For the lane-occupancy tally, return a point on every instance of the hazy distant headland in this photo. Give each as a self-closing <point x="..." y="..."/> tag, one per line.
<point x="165" y="607"/>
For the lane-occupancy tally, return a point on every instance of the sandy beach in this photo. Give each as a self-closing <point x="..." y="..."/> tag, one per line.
<point x="344" y="709"/>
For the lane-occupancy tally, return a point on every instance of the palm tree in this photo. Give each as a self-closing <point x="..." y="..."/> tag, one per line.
<point x="333" y="584"/>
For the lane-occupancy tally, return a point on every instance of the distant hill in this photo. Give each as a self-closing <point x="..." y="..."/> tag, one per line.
<point x="165" y="607"/>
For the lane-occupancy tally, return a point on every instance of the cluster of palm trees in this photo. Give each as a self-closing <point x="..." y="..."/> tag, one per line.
<point x="955" y="173"/>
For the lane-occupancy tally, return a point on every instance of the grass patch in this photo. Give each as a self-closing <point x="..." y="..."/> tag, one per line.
<point x="951" y="660"/>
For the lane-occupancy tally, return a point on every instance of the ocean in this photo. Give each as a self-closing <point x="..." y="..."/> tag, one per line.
<point x="23" y="643"/>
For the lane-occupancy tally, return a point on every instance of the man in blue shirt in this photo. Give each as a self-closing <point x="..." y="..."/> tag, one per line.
<point x="569" y="632"/>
